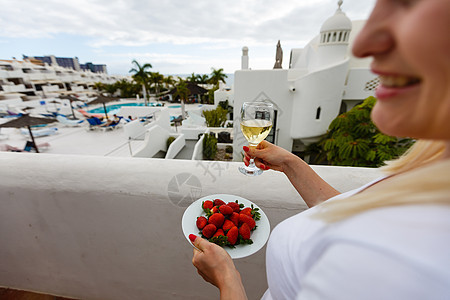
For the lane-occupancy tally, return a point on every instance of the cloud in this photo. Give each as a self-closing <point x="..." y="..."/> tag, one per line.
<point x="140" y="22"/>
<point x="219" y="28"/>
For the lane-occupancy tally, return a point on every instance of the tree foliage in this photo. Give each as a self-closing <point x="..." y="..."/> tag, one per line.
<point x="209" y="146"/>
<point x="216" y="76"/>
<point x="215" y="117"/>
<point x="182" y="91"/>
<point x="353" y="140"/>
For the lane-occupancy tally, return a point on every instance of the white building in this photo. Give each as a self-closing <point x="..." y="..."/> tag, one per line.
<point x="323" y="79"/>
<point x="31" y="80"/>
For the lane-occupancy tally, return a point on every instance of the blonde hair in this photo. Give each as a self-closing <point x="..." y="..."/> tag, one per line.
<point x="418" y="177"/>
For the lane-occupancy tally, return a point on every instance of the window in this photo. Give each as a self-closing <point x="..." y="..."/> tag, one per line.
<point x="271" y="136"/>
<point x="318" y="113"/>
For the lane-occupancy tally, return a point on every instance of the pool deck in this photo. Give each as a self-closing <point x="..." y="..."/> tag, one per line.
<point x="80" y="140"/>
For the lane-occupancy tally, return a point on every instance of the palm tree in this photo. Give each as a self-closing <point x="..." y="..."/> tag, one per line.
<point x="99" y="86"/>
<point x="168" y="81"/>
<point x="217" y="75"/>
<point x="193" y="78"/>
<point x="141" y="76"/>
<point x="183" y="92"/>
<point x="203" y="79"/>
<point x="157" y="79"/>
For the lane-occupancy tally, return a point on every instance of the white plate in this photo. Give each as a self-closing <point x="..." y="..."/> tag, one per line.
<point x="259" y="235"/>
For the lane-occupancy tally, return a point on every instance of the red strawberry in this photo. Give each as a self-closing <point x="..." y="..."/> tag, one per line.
<point x="225" y="209"/>
<point x="214" y="210"/>
<point x="247" y="211"/>
<point x="201" y="222"/>
<point x="207" y="204"/>
<point x="244" y="231"/>
<point x="218" y="202"/>
<point x="209" y="230"/>
<point x="232" y="235"/>
<point x="217" y="220"/>
<point x="219" y="232"/>
<point x="234" y="206"/>
<point x="235" y="218"/>
<point x="246" y="219"/>
<point x="227" y="225"/>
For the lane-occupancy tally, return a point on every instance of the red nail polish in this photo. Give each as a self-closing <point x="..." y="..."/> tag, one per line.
<point x="263" y="167"/>
<point x="267" y="168"/>
<point x="192" y="237"/>
<point x="246" y="148"/>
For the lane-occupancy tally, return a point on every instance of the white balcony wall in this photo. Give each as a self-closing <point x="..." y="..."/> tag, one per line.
<point x="34" y="76"/>
<point x="176" y="146"/>
<point x="356" y="83"/>
<point x="110" y="228"/>
<point x="14" y="88"/>
<point x="154" y="141"/>
<point x="50" y="88"/>
<point x="197" y="154"/>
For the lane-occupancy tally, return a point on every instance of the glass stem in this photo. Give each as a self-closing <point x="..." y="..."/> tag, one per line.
<point x="251" y="163"/>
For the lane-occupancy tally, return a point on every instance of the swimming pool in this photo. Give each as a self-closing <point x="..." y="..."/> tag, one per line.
<point x="115" y="108"/>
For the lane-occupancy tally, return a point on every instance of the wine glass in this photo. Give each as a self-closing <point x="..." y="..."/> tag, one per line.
<point x="256" y="122"/>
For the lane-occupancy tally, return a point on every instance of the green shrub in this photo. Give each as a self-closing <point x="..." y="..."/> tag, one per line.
<point x="229" y="149"/>
<point x="209" y="146"/>
<point x="353" y="140"/>
<point x="215" y="117"/>
<point x="170" y="141"/>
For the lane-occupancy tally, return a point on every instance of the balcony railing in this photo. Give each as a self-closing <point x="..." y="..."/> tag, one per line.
<point x="110" y="228"/>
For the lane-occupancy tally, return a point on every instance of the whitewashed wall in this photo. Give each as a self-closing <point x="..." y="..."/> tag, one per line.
<point x="176" y="146"/>
<point x="110" y="228"/>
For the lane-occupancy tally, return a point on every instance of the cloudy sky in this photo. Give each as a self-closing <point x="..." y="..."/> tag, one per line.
<point x="175" y="36"/>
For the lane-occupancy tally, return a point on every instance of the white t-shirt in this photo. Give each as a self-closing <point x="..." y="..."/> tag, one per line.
<point x="400" y="252"/>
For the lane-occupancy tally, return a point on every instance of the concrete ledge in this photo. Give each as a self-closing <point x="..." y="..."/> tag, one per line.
<point x="110" y="228"/>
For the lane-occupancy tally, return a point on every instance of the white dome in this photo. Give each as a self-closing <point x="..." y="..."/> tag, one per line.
<point x="337" y="22"/>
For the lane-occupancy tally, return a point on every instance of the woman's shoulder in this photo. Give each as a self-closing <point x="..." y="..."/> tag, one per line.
<point x="402" y="249"/>
<point x="414" y="233"/>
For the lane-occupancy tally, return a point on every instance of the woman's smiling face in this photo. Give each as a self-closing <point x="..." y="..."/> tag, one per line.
<point x="409" y="41"/>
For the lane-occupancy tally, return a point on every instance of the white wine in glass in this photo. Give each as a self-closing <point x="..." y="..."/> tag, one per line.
<point x="256" y="123"/>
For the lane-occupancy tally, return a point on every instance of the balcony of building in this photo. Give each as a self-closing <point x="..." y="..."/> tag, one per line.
<point x="92" y="227"/>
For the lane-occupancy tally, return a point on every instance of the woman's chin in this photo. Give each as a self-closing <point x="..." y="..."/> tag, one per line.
<point x="387" y="123"/>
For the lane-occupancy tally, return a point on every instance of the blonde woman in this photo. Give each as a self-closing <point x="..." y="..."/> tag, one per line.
<point x="389" y="239"/>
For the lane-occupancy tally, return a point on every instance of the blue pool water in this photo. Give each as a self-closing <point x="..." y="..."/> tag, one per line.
<point x="114" y="109"/>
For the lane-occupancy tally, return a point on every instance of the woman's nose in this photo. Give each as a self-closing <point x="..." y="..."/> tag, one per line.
<point x="376" y="36"/>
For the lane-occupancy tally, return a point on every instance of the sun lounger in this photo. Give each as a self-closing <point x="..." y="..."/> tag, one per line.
<point x="94" y="123"/>
<point x="63" y="120"/>
<point x="113" y="125"/>
<point x="40" y="132"/>
<point x="28" y="147"/>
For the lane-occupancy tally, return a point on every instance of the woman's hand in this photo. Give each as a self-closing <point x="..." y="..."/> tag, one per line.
<point x="310" y="186"/>
<point x="268" y="156"/>
<point x="215" y="265"/>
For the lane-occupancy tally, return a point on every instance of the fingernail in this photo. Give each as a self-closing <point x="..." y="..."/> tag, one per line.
<point x="263" y="167"/>
<point x="267" y="168"/>
<point x="192" y="237"/>
<point x="246" y="148"/>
